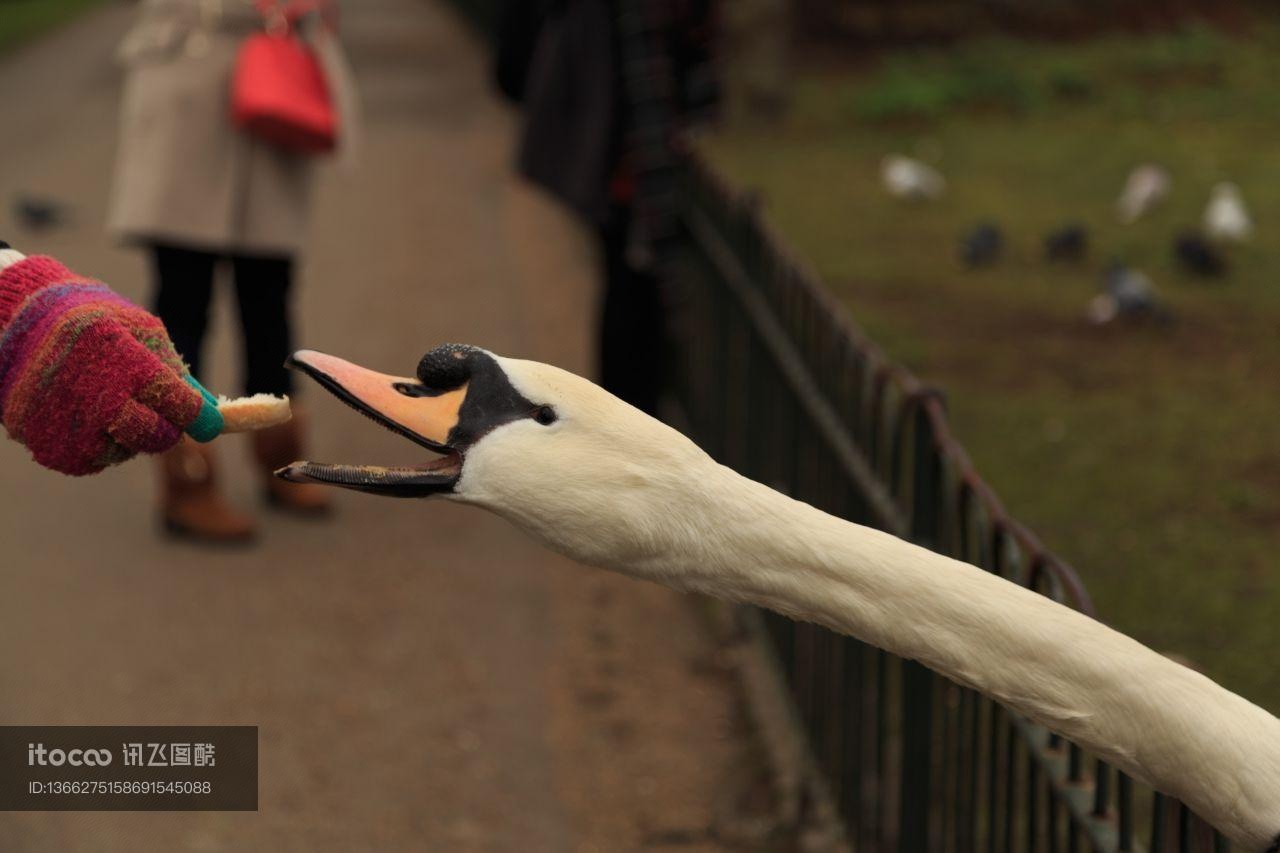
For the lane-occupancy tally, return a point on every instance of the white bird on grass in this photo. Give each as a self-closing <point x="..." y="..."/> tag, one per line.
<point x="1146" y="187"/>
<point x="906" y="178"/>
<point x="1225" y="218"/>
<point x="595" y="479"/>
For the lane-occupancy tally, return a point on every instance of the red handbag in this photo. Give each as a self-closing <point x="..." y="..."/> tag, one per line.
<point x="278" y="89"/>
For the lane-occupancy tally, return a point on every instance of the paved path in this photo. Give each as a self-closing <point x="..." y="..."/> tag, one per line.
<point x="424" y="677"/>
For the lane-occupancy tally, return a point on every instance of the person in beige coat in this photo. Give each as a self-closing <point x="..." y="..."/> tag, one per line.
<point x="196" y="192"/>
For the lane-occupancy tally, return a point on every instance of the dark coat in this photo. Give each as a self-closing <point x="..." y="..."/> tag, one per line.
<point x="606" y="86"/>
<point x="560" y="62"/>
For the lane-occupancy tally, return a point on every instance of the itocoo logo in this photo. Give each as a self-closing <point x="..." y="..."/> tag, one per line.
<point x="37" y="755"/>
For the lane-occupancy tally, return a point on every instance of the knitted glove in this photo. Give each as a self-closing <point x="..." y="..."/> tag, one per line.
<point x="87" y="378"/>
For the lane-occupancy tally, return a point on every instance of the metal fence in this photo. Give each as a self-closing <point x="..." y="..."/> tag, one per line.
<point x="776" y="381"/>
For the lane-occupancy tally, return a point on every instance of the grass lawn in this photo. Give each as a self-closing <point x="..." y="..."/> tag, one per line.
<point x="21" y="20"/>
<point x="1149" y="458"/>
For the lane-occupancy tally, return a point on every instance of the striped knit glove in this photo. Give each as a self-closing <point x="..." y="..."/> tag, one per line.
<point x="87" y="378"/>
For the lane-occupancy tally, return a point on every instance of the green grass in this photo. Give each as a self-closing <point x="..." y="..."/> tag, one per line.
<point x="1149" y="458"/>
<point x="22" y="20"/>
<point x="1020" y="78"/>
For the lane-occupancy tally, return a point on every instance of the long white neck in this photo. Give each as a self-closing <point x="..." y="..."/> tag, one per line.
<point x="1157" y="720"/>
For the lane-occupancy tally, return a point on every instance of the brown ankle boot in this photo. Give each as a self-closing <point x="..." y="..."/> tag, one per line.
<point x="192" y="505"/>
<point x="274" y="448"/>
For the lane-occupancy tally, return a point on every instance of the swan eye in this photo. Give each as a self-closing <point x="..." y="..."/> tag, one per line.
<point x="545" y="415"/>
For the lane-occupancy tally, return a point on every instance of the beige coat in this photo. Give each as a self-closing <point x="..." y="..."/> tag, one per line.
<point x="184" y="174"/>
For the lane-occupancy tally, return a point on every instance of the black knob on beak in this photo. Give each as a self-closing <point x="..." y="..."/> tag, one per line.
<point x="447" y="366"/>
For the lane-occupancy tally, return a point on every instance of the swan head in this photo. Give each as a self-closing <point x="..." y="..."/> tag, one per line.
<point x="575" y="466"/>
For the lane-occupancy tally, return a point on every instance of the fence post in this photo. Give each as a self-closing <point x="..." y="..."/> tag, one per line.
<point x="916" y="830"/>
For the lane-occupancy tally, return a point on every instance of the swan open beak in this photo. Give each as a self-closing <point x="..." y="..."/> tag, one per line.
<point x="425" y="415"/>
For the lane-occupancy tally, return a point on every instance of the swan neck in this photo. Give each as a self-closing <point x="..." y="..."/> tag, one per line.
<point x="1155" y="719"/>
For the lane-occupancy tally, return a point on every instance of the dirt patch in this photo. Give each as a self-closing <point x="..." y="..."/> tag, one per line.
<point x="651" y="741"/>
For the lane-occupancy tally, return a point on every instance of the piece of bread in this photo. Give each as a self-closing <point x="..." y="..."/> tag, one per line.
<point x="260" y="411"/>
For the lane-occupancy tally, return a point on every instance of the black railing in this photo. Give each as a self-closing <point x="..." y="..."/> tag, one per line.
<point x="776" y="381"/>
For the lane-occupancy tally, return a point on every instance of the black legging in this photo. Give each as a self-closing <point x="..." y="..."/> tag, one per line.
<point x="184" y="288"/>
<point x="632" y="324"/>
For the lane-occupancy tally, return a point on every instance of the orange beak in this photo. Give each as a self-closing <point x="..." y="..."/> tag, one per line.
<point x="399" y="403"/>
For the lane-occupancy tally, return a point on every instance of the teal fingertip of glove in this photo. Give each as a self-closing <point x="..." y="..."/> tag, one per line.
<point x="208" y="424"/>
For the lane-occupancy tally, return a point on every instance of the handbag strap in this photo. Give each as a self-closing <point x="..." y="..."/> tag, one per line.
<point x="280" y="16"/>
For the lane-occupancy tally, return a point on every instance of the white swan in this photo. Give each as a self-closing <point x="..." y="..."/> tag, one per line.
<point x="607" y="485"/>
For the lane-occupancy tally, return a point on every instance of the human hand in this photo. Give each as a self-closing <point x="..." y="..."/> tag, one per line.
<point x="87" y="378"/>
